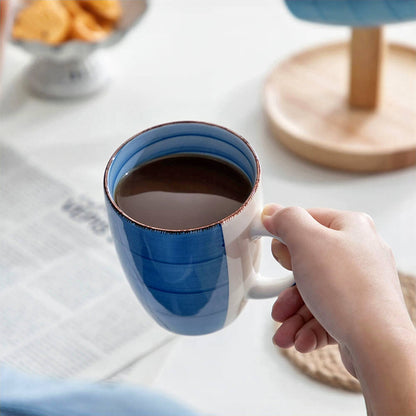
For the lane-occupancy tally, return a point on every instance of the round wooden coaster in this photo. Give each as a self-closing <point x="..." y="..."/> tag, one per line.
<point x="325" y="365"/>
<point x="306" y="104"/>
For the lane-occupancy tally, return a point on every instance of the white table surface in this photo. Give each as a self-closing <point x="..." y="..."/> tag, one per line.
<point x="207" y="60"/>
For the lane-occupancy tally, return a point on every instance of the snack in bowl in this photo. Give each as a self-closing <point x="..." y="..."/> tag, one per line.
<point x="43" y="20"/>
<point x="73" y="7"/>
<point x="106" y="9"/>
<point x="86" y="27"/>
<point x="57" y="21"/>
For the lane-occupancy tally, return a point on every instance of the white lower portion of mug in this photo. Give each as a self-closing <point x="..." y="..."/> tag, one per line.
<point x="243" y="249"/>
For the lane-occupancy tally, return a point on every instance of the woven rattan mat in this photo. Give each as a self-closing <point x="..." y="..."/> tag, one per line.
<point x="325" y="364"/>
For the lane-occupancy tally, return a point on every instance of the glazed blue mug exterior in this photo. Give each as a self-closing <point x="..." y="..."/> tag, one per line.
<point x="192" y="281"/>
<point x="357" y="13"/>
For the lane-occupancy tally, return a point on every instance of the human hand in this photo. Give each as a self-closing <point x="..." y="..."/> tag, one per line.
<point x="347" y="284"/>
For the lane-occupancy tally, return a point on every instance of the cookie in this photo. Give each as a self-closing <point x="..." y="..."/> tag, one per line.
<point x="73" y="7"/>
<point x="106" y="9"/>
<point x="43" y="20"/>
<point x="85" y="27"/>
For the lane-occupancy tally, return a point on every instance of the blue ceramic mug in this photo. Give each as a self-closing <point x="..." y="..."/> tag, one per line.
<point x="195" y="281"/>
<point x="354" y="12"/>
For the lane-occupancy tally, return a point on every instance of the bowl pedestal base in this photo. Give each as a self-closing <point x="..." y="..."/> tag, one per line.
<point x="69" y="78"/>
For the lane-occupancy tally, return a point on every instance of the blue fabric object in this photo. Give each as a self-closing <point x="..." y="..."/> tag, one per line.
<point x="28" y="395"/>
<point x="353" y="12"/>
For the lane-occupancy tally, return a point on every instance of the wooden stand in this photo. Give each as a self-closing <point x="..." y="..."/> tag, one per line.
<point x="367" y="52"/>
<point x="371" y="129"/>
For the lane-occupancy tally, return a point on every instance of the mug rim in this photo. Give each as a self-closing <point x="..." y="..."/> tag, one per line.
<point x="184" y="230"/>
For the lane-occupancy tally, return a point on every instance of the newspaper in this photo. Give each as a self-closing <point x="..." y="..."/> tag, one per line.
<point x="66" y="308"/>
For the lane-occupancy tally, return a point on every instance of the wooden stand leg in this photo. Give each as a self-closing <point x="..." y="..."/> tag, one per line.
<point x="367" y="52"/>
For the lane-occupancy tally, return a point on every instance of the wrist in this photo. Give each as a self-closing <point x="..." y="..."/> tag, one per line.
<point x="385" y="364"/>
<point x="379" y="324"/>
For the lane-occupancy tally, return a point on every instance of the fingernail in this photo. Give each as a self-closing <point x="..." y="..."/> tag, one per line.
<point x="270" y="209"/>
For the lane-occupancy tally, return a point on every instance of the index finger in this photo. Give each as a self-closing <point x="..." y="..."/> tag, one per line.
<point x="340" y="220"/>
<point x="331" y="218"/>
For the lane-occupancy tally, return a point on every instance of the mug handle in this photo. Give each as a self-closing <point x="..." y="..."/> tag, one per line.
<point x="266" y="287"/>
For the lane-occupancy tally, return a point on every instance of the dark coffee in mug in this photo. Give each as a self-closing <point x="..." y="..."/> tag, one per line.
<point x="182" y="191"/>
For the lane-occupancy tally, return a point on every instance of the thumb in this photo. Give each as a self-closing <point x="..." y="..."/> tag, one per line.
<point x="293" y="225"/>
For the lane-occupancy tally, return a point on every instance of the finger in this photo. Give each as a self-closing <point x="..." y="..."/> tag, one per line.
<point x="287" y="304"/>
<point x="281" y="254"/>
<point x="293" y="225"/>
<point x="330" y="218"/>
<point x="339" y="220"/>
<point x="312" y="336"/>
<point x="286" y="333"/>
